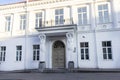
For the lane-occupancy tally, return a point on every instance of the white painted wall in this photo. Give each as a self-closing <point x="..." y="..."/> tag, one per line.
<point x="114" y="38"/>
<point x="16" y="37"/>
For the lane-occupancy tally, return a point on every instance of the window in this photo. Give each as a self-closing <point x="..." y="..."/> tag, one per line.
<point x="18" y="53"/>
<point x="7" y="23"/>
<point x="84" y="50"/>
<point x="59" y="16"/>
<point x="22" y="22"/>
<point x="82" y="16"/>
<point x="38" y="20"/>
<point x="107" y="51"/>
<point x="36" y="52"/>
<point x="103" y="13"/>
<point x="2" y="53"/>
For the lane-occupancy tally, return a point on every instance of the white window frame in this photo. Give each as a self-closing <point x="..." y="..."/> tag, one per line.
<point x="109" y="12"/>
<point x="36" y="53"/>
<point x="39" y="19"/>
<point x="23" y="21"/>
<point x="2" y="53"/>
<point x="87" y="12"/>
<point x="8" y="23"/>
<point x="59" y="17"/>
<point x="106" y="50"/>
<point x="18" y="53"/>
<point x="84" y="48"/>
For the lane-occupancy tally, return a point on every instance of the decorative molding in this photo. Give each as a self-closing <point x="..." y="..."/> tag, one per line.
<point x="70" y="41"/>
<point x="33" y="3"/>
<point x="42" y="38"/>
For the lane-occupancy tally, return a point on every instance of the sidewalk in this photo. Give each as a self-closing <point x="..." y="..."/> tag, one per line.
<point x="81" y="70"/>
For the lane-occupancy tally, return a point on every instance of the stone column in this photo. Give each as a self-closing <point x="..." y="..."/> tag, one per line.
<point x="42" y="63"/>
<point x="70" y="49"/>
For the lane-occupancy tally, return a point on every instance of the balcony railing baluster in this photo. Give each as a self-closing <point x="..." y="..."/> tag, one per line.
<point x="54" y="23"/>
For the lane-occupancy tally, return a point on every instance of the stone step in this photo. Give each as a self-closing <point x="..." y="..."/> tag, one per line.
<point x="77" y="70"/>
<point x="54" y="70"/>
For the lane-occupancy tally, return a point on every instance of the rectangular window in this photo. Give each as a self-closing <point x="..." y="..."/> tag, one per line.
<point x="107" y="50"/>
<point x="59" y="16"/>
<point x="36" y="52"/>
<point x="84" y="50"/>
<point x="38" y="20"/>
<point x="7" y="23"/>
<point x="82" y="16"/>
<point x="2" y="53"/>
<point x="22" y="22"/>
<point x="103" y="13"/>
<point x="18" y="53"/>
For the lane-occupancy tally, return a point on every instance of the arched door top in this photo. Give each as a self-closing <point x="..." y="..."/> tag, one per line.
<point x="58" y="44"/>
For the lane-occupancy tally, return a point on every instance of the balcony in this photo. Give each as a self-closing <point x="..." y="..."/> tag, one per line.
<point x="54" y="24"/>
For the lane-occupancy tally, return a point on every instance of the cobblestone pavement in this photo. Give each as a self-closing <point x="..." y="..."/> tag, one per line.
<point x="61" y="76"/>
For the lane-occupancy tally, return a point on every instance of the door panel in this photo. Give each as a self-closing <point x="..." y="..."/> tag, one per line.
<point x="58" y="55"/>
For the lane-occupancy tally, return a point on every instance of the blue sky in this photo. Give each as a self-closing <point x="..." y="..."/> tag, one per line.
<point x="8" y="1"/>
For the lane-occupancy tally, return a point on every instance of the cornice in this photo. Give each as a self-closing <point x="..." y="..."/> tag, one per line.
<point x="29" y="4"/>
<point x="12" y="6"/>
<point x="99" y="31"/>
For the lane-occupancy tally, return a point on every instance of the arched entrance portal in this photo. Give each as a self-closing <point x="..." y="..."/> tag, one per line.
<point x="58" y="54"/>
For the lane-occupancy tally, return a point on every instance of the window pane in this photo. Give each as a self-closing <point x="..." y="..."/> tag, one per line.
<point x="61" y="11"/>
<point x="84" y="9"/>
<point x="40" y="23"/>
<point x="105" y="6"/>
<point x="37" y="53"/>
<point x="33" y="57"/>
<point x="37" y="46"/>
<point x="109" y="50"/>
<point x="82" y="57"/>
<point x="100" y="17"/>
<point x="61" y="20"/>
<point x="79" y="19"/>
<point x="104" y="50"/>
<point x="84" y="18"/>
<point x="87" y="56"/>
<point x="104" y="44"/>
<point x="16" y="58"/>
<point x="86" y="44"/>
<point x="100" y="7"/>
<point x="3" y="58"/>
<point x="56" y="20"/>
<point x="106" y="16"/>
<point x="104" y="56"/>
<point x="37" y="57"/>
<point x="109" y="56"/>
<point x="20" y="58"/>
<point x="82" y="50"/>
<point x="19" y="47"/>
<point x="86" y="50"/>
<point x="79" y="10"/>
<point x="81" y="44"/>
<point x="109" y="43"/>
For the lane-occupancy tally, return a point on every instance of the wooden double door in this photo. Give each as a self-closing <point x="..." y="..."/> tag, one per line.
<point x="58" y="55"/>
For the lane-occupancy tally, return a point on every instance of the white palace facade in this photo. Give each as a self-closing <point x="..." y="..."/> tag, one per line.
<point x="60" y="34"/>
